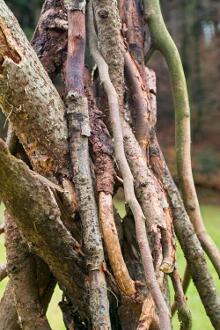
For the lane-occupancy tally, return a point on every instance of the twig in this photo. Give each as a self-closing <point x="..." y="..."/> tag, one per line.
<point x="184" y="314"/>
<point x="126" y="174"/>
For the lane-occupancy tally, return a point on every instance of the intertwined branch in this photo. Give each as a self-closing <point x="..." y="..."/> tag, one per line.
<point x="58" y="173"/>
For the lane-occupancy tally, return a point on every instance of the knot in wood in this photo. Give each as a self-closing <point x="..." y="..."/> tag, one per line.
<point x="103" y="13"/>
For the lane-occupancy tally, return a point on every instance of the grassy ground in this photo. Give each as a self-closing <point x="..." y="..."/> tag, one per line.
<point x="200" y="320"/>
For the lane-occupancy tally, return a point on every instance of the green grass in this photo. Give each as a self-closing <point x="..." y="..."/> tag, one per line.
<point x="200" y="320"/>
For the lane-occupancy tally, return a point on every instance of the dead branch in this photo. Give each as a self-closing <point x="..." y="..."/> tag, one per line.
<point x="79" y="131"/>
<point x="122" y="277"/>
<point x="187" y="238"/>
<point x="29" y="99"/>
<point x="184" y="314"/>
<point x="35" y="211"/>
<point x="103" y="9"/>
<point x="165" y="44"/>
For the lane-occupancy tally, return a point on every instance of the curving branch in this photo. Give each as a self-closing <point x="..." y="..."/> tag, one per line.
<point x="162" y="41"/>
<point x="103" y="11"/>
<point x="188" y="240"/>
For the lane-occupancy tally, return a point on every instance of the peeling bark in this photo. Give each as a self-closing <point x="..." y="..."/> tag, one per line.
<point x="79" y="131"/>
<point x="30" y="101"/>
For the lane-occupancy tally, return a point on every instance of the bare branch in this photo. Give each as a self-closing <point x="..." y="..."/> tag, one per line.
<point x="165" y="44"/>
<point x="30" y="100"/>
<point x="35" y="211"/>
<point x="187" y="237"/>
<point x="103" y="10"/>
<point x="79" y="131"/>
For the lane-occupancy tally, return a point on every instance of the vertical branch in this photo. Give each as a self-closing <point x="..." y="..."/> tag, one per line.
<point x="162" y="40"/>
<point x="103" y="11"/>
<point x="79" y="131"/>
<point x="102" y="147"/>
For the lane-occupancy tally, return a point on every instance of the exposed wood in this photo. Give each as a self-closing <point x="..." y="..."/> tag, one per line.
<point x="122" y="277"/>
<point x="79" y="131"/>
<point x="107" y="18"/>
<point x="29" y="99"/>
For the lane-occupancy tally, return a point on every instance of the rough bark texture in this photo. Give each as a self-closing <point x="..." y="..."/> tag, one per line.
<point x="22" y="272"/>
<point x="79" y="131"/>
<point x="38" y="217"/>
<point x="60" y="224"/>
<point x="188" y="239"/>
<point x="30" y="100"/>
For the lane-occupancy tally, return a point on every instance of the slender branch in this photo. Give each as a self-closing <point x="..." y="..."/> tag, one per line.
<point x="2" y="228"/>
<point x="185" y="285"/>
<point x="187" y="238"/>
<point x="103" y="151"/>
<point x="162" y="40"/>
<point x="118" y="265"/>
<point x="79" y="131"/>
<point x="124" y="167"/>
<point x="184" y="314"/>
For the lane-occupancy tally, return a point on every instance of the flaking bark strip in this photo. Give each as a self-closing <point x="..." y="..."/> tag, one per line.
<point x="79" y="131"/>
